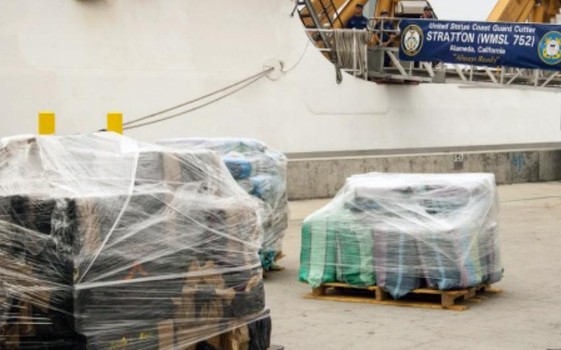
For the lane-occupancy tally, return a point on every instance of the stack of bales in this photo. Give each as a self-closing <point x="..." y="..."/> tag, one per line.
<point x="106" y="243"/>
<point x="405" y="231"/>
<point x="261" y="172"/>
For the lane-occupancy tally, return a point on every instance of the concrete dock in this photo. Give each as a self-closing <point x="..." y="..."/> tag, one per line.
<point x="527" y="315"/>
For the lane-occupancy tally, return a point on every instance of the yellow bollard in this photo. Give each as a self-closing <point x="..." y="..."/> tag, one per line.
<point x="115" y="122"/>
<point x="46" y="123"/>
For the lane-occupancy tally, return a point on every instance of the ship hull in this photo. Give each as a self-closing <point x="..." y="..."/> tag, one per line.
<point x="83" y="59"/>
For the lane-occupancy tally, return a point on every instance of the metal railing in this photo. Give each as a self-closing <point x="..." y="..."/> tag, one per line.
<point x="367" y="59"/>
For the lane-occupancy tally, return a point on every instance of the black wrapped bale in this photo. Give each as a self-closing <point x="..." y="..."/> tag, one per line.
<point x="261" y="172"/>
<point x="122" y="245"/>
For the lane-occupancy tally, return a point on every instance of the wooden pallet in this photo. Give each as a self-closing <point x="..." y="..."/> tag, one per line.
<point x="445" y="299"/>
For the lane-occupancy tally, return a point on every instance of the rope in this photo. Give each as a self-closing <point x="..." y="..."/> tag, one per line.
<point x="243" y="84"/>
<point x="299" y="59"/>
<point x="237" y="86"/>
<point x="347" y="50"/>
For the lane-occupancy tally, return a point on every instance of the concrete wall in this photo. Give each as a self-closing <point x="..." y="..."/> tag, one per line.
<point x="323" y="177"/>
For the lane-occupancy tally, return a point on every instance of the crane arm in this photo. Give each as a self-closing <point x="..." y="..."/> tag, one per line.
<point x="511" y="10"/>
<point x="347" y="10"/>
<point x="537" y="11"/>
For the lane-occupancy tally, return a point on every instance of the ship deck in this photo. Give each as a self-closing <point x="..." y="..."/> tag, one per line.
<point x="524" y="316"/>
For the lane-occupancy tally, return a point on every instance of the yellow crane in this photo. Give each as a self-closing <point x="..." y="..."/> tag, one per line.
<point x="537" y="11"/>
<point x="335" y="13"/>
<point x="330" y="13"/>
<point x="386" y="5"/>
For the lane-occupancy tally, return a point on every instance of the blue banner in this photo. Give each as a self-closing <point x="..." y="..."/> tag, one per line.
<point x="482" y="43"/>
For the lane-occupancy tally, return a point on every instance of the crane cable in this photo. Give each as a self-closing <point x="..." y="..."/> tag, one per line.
<point x="239" y="84"/>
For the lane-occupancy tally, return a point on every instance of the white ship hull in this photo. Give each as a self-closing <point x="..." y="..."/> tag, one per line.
<point x="83" y="59"/>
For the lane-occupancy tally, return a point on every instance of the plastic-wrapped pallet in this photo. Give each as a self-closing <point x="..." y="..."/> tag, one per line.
<point x="106" y="243"/>
<point x="262" y="173"/>
<point x="405" y="231"/>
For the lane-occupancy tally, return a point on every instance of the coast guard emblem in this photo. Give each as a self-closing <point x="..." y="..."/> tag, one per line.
<point x="549" y="48"/>
<point x="412" y="41"/>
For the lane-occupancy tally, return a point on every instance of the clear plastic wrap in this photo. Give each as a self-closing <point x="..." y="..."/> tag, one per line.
<point x="405" y="231"/>
<point x="262" y="173"/>
<point x="107" y="243"/>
